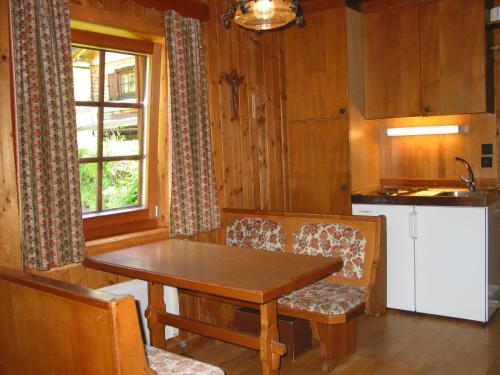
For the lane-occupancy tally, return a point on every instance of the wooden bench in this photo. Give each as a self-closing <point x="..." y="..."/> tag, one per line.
<point x="331" y="305"/>
<point x="51" y="327"/>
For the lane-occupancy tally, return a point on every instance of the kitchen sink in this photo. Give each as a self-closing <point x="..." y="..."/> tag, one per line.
<point x="465" y="194"/>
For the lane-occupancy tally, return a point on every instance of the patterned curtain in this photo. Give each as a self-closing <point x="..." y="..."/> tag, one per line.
<point x="52" y="233"/>
<point x="194" y="205"/>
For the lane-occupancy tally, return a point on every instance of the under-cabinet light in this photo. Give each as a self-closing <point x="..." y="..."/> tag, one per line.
<point x="426" y="130"/>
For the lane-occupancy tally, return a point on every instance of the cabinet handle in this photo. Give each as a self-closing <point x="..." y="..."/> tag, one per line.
<point x="413" y="225"/>
<point x="410" y="225"/>
<point x="343" y="111"/>
<point x="427" y="109"/>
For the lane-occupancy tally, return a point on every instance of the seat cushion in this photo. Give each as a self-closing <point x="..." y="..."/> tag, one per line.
<point x="255" y="233"/>
<point x="333" y="240"/>
<point x="325" y="298"/>
<point x="163" y="363"/>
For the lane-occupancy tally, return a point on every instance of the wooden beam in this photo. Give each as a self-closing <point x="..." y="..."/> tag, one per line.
<point x="313" y="6"/>
<point x="187" y="8"/>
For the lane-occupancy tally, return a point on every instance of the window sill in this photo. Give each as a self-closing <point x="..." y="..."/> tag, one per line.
<point x="122" y="241"/>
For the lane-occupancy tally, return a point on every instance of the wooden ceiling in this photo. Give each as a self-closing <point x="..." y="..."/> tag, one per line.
<point x="200" y="10"/>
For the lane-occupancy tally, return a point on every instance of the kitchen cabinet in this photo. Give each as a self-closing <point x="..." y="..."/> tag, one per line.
<point x="317" y="81"/>
<point x="316" y="66"/>
<point x="391" y="60"/>
<point x="436" y="259"/>
<point x="319" y="166"/>
<point x="425" y="57"/>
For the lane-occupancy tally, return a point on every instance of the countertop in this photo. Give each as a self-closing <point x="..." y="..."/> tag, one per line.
<point x="401" y="195"/>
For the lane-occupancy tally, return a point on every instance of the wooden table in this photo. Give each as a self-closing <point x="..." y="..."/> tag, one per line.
<point x="246" y="275"/>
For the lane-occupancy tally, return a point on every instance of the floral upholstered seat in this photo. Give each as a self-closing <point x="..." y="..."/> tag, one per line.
<point x="163" y="363"/>
<point x="325" y="298"/>
<point x="255" y="233"/>
<point x="333" y="240"/>
<point x="330" y="240"/>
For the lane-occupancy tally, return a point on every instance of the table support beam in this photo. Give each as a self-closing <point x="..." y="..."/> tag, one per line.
<point x="269" y="334"/>
<point x="156" y="307"/>
<point x="239" y="338"/>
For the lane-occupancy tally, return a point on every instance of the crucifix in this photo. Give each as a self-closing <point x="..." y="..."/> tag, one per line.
<point x="235" y="80"/>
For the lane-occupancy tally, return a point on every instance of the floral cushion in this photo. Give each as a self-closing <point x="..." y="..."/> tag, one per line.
<point x="333" y="240"/>
<point x="256" y="233"/>
<point x="325" y="298"/>
<point x="164" y="363"/>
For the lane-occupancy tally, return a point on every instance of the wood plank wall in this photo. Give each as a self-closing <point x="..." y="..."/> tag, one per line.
<point x="431" y="157"/>
<point x="10" y="250"/>
<point x="250" y="149"/>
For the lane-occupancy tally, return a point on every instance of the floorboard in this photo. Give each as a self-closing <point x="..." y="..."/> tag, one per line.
<point x="399" y="343"/>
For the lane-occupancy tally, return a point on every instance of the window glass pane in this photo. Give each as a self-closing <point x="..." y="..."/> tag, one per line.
<point x="86" y="122"/>
<point x="86" y="74"/>
<point x="120" y="184"/>
<point x="120" y="78"/>
<point x="121" y="136"/>
<point x="88" y="186"/>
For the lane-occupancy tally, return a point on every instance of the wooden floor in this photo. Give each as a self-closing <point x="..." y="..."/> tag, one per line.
<point x="400" y="343"/>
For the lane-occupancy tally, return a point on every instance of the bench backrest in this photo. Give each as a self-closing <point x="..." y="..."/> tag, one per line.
<point x="51" y="327"/>
<point x="359" y="240"/>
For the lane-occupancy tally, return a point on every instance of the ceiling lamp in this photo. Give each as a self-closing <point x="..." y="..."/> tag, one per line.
<point x="263" y="14"/>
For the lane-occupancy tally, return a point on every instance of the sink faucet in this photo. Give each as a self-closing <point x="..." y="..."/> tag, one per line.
<point x="470" y="182"/>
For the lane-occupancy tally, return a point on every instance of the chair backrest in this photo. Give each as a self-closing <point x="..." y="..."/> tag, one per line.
<point x="364" y="238"/>
<point x="333" y="240"/>
<point x="255" y="233"/>
<point x="51" y="327"/>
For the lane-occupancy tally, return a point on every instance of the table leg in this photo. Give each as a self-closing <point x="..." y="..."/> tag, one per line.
<point x="156" y="305"/>
<point x="268" y="335"/>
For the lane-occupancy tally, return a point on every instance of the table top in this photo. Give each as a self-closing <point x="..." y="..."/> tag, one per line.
<point x="249" y="275"/>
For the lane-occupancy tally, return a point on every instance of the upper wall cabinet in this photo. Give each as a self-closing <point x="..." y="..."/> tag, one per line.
<point x="424" y="57"/>
<point x="316" y="67"/>
<point x="392" y="62"/>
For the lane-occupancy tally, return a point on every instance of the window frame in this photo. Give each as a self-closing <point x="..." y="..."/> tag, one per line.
<point x="130" y="219"/>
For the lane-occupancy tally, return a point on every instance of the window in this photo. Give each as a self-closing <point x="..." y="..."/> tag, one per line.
<point x="110" y="116"/>
<point x="118" y="106"/>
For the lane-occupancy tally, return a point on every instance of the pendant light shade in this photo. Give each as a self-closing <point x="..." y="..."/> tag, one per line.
<point x="263" y="14"/>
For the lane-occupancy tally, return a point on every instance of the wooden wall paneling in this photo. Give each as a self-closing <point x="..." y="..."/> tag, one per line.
<point x="270" y="155"/>
<point x="125" y="15"/>
<point x="210" y="33"/>
<point x="248" y="149"/>
<point x="278" y="119"/>
<point x="235" y="122"/>
<point x="10" y="242"/>
<point x="284" y="124"/>
<point x="431" y="157"/>
<point x="452" y="49"/>
<point x="223" y="39"/>
<point x="255" y="92"/>
<point x="319" y="166"/>
<point x="244" y="116"/>
<point x="392" y="59"/>
<point x="316" y="66"/>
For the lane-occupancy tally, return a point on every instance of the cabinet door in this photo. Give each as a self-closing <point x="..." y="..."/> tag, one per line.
<point x="319" y="166"/>
<point x="400" y="252"/>
<point x="450" y="262"/>
<point x="391" y="59"/>
<point x="316" y="67"/>
<point x="452" y="51"/>
<point x="493" y="256"/>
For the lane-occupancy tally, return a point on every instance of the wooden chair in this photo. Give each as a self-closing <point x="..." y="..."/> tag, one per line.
<point x="51" y="327"/>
